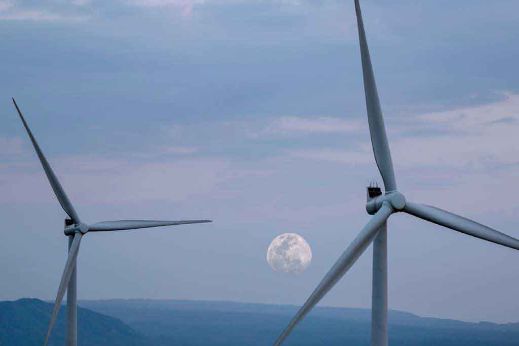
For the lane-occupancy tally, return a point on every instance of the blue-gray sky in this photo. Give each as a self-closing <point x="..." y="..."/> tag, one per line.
<point x="252" y="113"/>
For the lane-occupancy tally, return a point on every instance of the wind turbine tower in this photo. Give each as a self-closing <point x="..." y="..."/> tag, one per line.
<point x="75" y="229"/>
<point x="382" y="206"/>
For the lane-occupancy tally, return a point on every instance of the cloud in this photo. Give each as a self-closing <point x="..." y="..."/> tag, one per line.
<point x="43" y="12"/>
<point x="475" y="118"/>
<point x="475" y="136"/>
<point x="37" y="15"/>
<point x="185" y="6"/>
<point x="81" y="2"/>
<point x="166" y="151"/>
<point x="306" y="125"/>
<point x="466" y="137"/>
<point x="10" y="146"/>
<point x="180" y="150"/>
<point x="89" y="178"/>
<point x="80" y="10"/>
<point x="363" y="156"/>
<point x="5" y="5"/>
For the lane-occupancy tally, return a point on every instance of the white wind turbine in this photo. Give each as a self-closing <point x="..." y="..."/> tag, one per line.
<point x="382" y="206"/>
<point x="75" y="229"/>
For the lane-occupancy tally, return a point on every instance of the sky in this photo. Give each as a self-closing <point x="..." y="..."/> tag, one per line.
<point x="252" y="114"/>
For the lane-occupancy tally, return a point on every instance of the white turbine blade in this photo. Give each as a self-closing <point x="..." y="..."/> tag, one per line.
<point x="136" y="224"/>
<point x="53" y="180"/>
<point x="65" y="278"/>
<point x="343" y="264"/>
<point x="375" y="119"/>
<point x="460" y="224"/>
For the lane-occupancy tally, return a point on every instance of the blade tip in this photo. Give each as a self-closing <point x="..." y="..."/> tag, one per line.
<point x="200" y="221"/>
<point x="17" y="108"/>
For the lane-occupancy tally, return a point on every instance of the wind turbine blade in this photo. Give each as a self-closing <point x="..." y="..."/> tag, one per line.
<point x="375" y="119"/>
<point x="460" y="224"/>
<point x="343" y="264"/>
<point x="136" y="224"/>
<point x="65" y="278"/>
<point x="53" y="180"/>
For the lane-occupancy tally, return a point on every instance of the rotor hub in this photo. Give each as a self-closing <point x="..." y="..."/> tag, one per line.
<point x="375" y="201"/>
<point x="397" y="200"/>
<point x="73" y="228"/>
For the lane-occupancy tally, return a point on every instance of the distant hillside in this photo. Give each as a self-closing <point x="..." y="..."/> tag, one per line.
<point x="170" y="322"/>
<point x="24" y="323"/>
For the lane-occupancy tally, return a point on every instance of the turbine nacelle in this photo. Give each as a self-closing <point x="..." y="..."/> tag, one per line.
<point x="394" y="199"/>
<point x="72" y="228"/>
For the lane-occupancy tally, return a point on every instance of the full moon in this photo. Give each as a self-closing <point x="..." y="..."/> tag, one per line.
<point x="289" y="253"/>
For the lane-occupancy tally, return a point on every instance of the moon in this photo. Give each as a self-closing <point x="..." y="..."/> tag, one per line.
<point x="289" y="253"/>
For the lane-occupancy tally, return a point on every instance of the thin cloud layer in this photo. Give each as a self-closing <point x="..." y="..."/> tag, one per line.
<point x="45" y="11"/>
<point x="10" y="146"/>
<point x="81" y="10"/>
<point x="315" y="125"/>
<point x="184" y="6"/>
<point x="478" y="137"/>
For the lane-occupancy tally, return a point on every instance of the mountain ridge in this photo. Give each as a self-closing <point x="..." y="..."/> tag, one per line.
<point x="259" y="324"/>
<point x="147" y="322"/>
<point x="24" y="322"/>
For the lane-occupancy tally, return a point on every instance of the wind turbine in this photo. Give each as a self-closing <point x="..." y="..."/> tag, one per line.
<point x="382" y="206"/>
<point x="75" y="229"/>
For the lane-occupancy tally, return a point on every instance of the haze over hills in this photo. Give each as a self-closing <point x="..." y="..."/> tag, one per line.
<point x="172" y="322"/>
